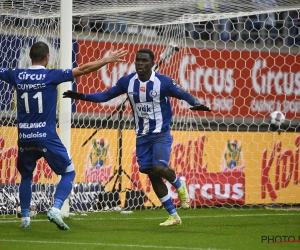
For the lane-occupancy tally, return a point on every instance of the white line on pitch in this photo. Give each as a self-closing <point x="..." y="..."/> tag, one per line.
<point x="154" y="218"/>
<point x="190" y="217"/>
<point x="106" y="244"/>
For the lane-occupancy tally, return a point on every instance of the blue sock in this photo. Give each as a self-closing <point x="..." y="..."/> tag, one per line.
<point x="176" y="183"/>
<point x="25" y="212"/>
<point x="168" y="204"/>
<point x="25" y="195"/>
<point x="63" y="189"/>
<point x="58" y="203"/>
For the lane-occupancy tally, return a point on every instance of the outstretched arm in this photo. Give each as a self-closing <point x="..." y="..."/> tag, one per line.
<point x="114" y="56"/>
<point x="176" y="91"/>
<point x="95" y="97"/>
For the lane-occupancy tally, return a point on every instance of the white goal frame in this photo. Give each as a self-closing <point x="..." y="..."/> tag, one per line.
<point x="65" y="109"/>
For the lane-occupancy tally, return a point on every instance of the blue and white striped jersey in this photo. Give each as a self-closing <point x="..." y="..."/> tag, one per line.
<point x="149" y="100"/>
<point x="36" y="89"/>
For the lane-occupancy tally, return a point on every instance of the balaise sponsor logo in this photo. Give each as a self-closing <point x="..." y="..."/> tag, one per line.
<point x="32" y="135"/>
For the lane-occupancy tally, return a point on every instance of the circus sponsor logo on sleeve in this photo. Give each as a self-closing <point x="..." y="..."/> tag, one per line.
<point x="3" y="70"/>
<point x="174" y="82"/>
<point x="66" y="71"/>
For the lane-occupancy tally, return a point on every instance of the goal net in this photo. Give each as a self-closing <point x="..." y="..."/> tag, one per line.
<point x="240" y="58"/>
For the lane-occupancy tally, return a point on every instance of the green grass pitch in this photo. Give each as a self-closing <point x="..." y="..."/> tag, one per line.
<point x="201" y="229"/>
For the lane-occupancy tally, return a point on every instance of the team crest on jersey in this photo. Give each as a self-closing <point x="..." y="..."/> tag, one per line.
<point x="153" y="93"/>
<point x="143" y="89"/>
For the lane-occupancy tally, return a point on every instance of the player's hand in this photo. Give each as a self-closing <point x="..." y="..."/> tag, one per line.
<point x="73" y="95"/>
<point x="117" y="55"/>
<point x="200" y="107"/>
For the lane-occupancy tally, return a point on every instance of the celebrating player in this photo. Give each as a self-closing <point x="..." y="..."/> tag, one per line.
<point x="149" y="94"/>
<point x="36" y="90"/>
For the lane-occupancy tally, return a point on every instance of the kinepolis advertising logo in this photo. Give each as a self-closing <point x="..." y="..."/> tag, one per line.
<point x="280" y="169"/>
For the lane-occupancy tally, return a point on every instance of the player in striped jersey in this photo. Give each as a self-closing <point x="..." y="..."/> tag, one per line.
<point x="36" y="89"/>
<point x="149" y="93"/>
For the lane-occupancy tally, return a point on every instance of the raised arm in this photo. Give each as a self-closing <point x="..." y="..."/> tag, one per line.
<point x="114" y="56"/>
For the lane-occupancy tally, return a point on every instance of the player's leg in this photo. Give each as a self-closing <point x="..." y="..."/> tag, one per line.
<point x="144" y="153"/>
<point x="169" y="174"/>
<point x="62" y="191"/>
<point x="25" y="194"/>
<point x="161" y="158"/>
<point x="161" y="191"/>
<point x="61" y="163"/>
<point x="26" y="164"/>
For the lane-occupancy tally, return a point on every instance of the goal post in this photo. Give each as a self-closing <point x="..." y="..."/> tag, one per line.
<point x="65" y="109"/>
<point x="240" y="59"/>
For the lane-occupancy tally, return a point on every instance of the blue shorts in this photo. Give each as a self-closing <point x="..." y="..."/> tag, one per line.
<point x="153" y="149"/>
<point x="52" y="150"/>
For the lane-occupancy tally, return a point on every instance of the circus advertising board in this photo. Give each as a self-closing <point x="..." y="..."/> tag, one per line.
<point x="219" y="167"/>
<point x="235" y="83"/>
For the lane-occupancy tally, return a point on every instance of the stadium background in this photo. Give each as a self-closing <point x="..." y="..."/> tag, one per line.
<point x="257" y="178"/>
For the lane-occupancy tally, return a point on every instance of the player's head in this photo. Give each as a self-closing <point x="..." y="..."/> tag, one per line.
<point x="144" y="62"/>
<point x="39" y="53"/>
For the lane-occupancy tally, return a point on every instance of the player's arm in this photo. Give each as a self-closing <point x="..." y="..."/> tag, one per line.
<point x="176" y="91"/>
<point x="114" y="56"/>
<point x="95" y="97"/>
<point x="7" y="75"/>
<point x="118" y="89"/>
